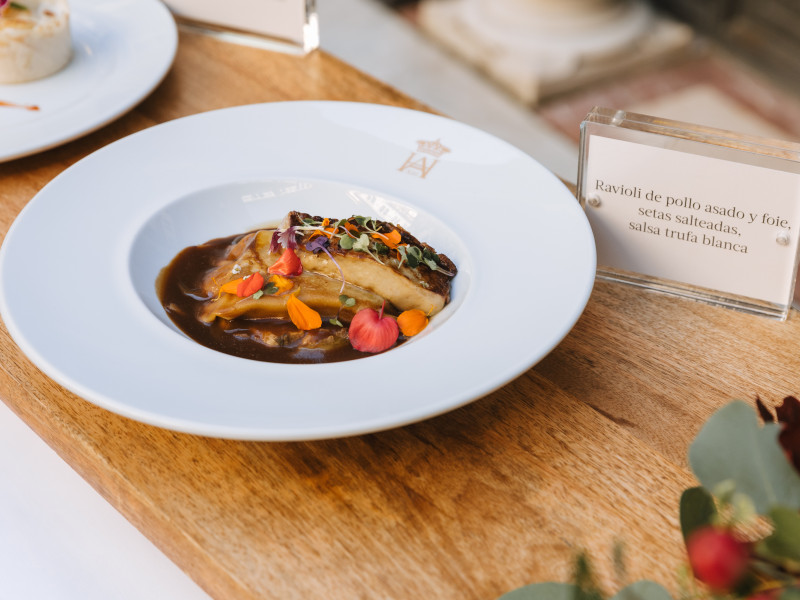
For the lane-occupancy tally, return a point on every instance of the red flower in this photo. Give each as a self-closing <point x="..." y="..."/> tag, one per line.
<point x="250" y="285"/>
<point x="372" y="331"/>
<point x="287" y="265"/>
<point x="717" y="558"/>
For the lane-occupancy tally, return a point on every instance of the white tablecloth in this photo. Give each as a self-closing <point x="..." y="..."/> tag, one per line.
<point x="60" y="540"/>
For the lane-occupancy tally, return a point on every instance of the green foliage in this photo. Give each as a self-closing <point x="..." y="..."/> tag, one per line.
<point x="732" y="447"/>
<point x="586" y="585"/>
<point x="643" y="590"/>
<point x="543" y="591"/>
<point x="696" y="510"/>
<point x="744" y="472"/>
<point x="784" y="542"/>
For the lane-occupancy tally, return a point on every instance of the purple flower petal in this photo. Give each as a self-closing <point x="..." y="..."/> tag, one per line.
<point x="283" y="238"/>
<point x="317" y="244"/>
<point x="287" y="238"/>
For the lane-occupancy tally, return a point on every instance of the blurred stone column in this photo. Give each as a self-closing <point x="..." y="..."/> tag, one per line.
<point x="536" y="48"/>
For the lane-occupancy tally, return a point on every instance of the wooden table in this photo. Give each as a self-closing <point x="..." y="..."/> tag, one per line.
<point x="585" y="449"/>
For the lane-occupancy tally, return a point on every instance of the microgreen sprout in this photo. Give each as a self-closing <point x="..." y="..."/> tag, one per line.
<point x="345" y="301"/>
<point x="362" y="245"/>
<point x="346" y="242"/>
<point x="283" y="238"/>
<point x="361" y="240"/>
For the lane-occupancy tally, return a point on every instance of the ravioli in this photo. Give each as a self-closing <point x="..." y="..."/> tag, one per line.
<point x="296" y="289"/>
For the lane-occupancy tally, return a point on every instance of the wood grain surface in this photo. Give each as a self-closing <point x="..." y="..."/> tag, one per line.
<point x="583" y="451"/>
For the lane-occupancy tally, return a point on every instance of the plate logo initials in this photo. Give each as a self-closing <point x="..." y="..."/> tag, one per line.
<point x="421" y="162"/>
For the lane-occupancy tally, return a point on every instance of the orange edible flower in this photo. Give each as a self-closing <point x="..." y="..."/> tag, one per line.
<point x="284" y="284"/>
<point x="302" y="316"/>
<point x="329" y="231"/>
<point x="231" y="286"/>
<point x="244" y="286"/>
<point x="287" y="265"/>
<point x="412" y="321"/>
<point x="391" y="239"/>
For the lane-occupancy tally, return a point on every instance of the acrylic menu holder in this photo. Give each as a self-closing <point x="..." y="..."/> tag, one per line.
<point x="692" y="211"/>
<point x="289" y="26"/>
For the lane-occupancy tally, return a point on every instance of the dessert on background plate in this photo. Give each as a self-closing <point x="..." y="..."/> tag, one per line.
<point x="35" y="40"/>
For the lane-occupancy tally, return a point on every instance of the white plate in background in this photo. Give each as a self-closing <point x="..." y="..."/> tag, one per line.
<point x="122" y="49"/>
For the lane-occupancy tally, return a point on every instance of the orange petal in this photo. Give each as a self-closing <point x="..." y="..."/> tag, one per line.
<point x="302" y="316"/>
<point x="284" y="284"/>
<point x="412" y="321"/>
<point x="231" y="286"/>
<point x="327" y="231"/>
<point x="391" y="239"/>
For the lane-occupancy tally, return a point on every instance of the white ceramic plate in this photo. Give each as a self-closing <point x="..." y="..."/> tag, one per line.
<point x="78" y="266"/>
<point x="122" y="49"/>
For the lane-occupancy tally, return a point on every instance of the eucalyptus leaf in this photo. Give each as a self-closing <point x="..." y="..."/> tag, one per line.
<point x="784" y="541"/>
<point x="732" y="446"/>
<point x="543" y="591"/>
<point x="696" y="510"/>
<point x="643" y="590"/>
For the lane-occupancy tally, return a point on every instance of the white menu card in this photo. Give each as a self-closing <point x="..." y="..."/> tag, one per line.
<point x="276" y="24"/>
<point x="691" y="210"/>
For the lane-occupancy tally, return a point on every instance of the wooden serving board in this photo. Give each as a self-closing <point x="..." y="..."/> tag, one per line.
<point x="586" y="449"/>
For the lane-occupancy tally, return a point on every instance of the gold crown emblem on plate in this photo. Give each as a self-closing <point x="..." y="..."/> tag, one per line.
<point x="432" y="148"/>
